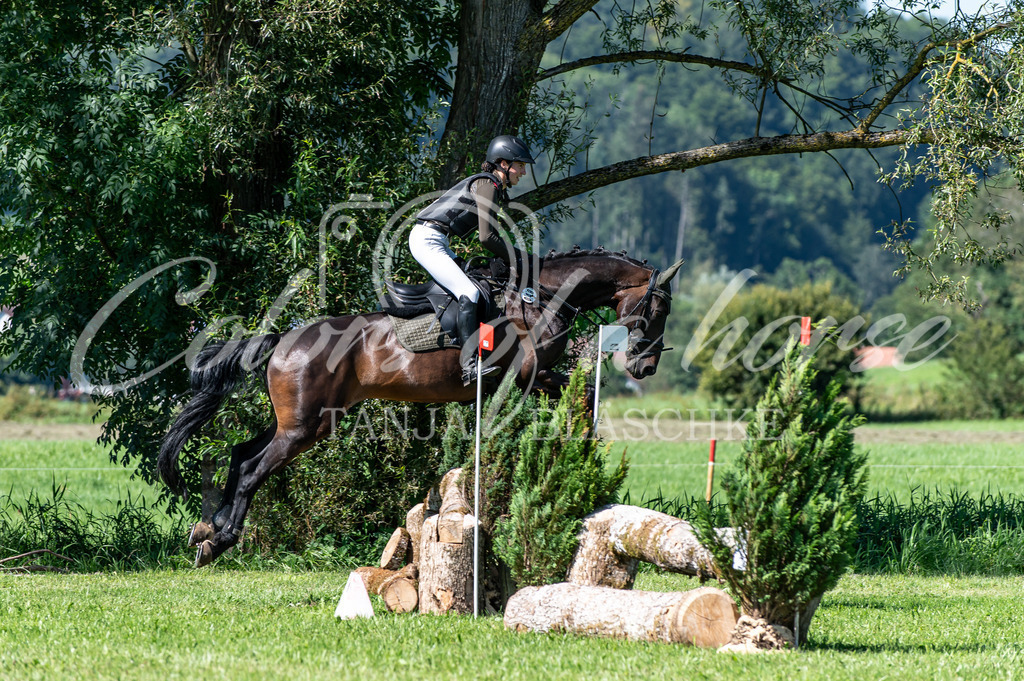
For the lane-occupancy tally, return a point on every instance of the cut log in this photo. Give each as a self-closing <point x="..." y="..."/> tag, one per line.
<point x="615" y="538"/>
<point x="373" y="577"/>
<point x="377" y="579"/>
<point x="398" y="551"/>
<point x="401" y="595"/>
<point x="453" y="508"/>
<point x="446" y="570"/>
<point x="703" y="617"/>
<point x="414" y="526"/>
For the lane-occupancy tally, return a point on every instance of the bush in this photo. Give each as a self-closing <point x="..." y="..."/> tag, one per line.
<point x="735" y="366"/>
<point x="558" y="479"/>
<point x="986" y="371"/>
<point x="542" y="471"/>
<point x="792" y="496"/>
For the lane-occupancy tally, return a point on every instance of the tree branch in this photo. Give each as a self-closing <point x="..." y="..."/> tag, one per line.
<point x="918" y="66"/>
<point x="653" y="55"/>
<point x="559" y="18"/>
<point x="694" y="158"/>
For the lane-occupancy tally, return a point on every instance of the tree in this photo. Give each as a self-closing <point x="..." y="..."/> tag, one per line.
<point x="134" y="139"/>
<point x="968" y="120"/>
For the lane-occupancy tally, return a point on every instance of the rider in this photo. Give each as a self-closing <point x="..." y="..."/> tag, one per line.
<point x="471" y="205"/>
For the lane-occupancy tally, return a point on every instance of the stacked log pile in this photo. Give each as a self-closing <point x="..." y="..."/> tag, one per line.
<point x="427" y="565"/>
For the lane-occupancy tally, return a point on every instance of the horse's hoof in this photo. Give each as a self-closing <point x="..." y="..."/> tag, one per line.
<point x="204" y="554"/>
<point x="199" y="533"/>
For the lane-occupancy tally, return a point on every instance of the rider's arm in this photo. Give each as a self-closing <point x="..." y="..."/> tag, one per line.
<point x="489" y="235"/>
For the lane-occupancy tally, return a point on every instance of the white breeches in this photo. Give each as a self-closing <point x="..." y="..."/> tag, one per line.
<point x="431" y="250"/>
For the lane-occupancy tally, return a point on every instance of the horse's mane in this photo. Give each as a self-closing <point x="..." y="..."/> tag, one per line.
<point x="599" y="252"/>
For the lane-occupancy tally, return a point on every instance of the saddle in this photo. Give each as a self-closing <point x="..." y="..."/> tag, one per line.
<point x="425" y="316"/>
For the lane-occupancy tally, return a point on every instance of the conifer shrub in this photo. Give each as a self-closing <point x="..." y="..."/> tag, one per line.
<point x="792" y="495"/>
<point x="559" y="479"/>
<point x="542" y="472"/>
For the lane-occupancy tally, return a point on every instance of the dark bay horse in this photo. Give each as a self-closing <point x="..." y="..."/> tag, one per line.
<point x="319" y="369"/>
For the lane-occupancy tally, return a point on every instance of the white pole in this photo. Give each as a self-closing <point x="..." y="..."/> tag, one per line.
<point x="597" y="384"/>
<point x="476" y="489"/>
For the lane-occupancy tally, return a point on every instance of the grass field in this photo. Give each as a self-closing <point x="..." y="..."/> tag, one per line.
<point x="226" y="622"/>
<point x="672" y="469"/>
<point x="220" y="624"/>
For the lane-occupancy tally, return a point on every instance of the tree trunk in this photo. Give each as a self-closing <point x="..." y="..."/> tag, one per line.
<point x="615" y="538"/>
<point x="446" y="570"/>
<point x="500" y="48"/>
<point x="703" y="617"/>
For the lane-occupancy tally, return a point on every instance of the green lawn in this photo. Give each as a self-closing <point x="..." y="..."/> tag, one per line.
<point x="218" y="624"/>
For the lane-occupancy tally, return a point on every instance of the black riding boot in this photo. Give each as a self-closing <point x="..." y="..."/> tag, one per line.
<point x="468" y="325"/>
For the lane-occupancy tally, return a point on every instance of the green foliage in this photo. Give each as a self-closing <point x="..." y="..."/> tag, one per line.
<point x="792" y="497"/>
<point x="133" y="537"/>
<point x="354" y="488"/>
<point x="739" y="347"/>
<point x="559" y="478"/>
<point x="986" y="370"/>
<point x="972" y="117"/>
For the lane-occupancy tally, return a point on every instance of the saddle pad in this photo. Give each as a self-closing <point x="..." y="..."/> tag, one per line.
<point x="415" y="334"/>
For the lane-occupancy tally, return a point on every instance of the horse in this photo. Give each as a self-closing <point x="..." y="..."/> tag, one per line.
<point x="314" y="371"/>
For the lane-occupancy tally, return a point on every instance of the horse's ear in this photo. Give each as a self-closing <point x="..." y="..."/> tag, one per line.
<point x="665" y="278"/>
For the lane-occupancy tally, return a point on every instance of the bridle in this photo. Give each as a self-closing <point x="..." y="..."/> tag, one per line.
<point x="636" y="337"/>
<point x="636" y="334"/>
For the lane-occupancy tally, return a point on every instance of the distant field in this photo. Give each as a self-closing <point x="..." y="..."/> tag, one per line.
<point x="82" y="466"/>
<point x="668" y="457"/>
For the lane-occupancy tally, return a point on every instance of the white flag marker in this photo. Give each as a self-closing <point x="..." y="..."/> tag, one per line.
<point x="354" y="602"/>
<point x="610" y="338"/>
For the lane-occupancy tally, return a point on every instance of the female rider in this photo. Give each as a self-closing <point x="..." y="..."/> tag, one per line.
<point x="469" y="206"/>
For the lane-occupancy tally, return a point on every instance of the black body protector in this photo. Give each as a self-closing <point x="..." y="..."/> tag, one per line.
<point x="455" y="212"/>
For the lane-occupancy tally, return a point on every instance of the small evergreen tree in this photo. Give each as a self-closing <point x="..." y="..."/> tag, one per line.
<point x="558" y="479"/>
<point x="792" y="495"/>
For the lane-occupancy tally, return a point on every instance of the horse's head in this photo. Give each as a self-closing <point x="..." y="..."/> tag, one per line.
<point x="643" y="310"/>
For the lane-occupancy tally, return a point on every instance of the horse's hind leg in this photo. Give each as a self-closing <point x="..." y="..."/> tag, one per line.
<point x="240" y="453"/>
<point x="252" y="473"/>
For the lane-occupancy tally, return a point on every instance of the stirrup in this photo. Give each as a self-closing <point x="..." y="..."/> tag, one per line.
<point x="469" y="374"/>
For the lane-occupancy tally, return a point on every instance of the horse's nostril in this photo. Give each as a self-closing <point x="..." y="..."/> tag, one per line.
<point x="648" y="370"/>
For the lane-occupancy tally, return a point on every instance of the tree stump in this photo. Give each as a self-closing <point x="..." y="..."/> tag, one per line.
<point x="703" y="617"/>
<point x="615" y="538"/>
<point x="398" y="551"/>
<point x="446" y="570"/>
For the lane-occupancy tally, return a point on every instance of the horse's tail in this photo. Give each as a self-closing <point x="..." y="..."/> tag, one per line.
<point x="217" y="369"/>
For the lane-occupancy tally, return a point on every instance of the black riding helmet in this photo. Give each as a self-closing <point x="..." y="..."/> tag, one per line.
<point x="510" y="148"/>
